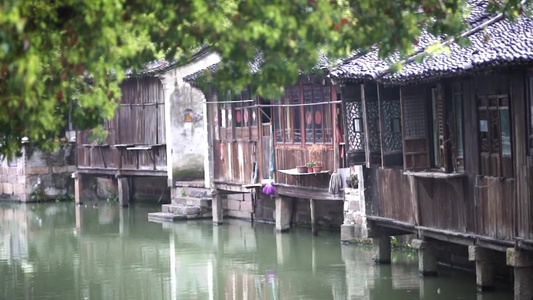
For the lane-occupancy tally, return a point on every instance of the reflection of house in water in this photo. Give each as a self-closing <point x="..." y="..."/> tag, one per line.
<point x="14" y="238"/>
<point x="121" y="256"/>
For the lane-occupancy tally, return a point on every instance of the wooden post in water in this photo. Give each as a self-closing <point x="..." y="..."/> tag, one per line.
<point x="123" y="191"/>
<point x="77" y="188"/>
<point x="217" y="208"/>
<point x="283" y="213"/>
<point x="79" y="218"/>
<point x="313" y="217"/>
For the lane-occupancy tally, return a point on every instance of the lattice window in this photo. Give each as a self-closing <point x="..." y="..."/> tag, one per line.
<point x="372" y="113"/>
<point x="415" y="126"/>
<point x="354" y="119"/>
<point x="393" y="130"/>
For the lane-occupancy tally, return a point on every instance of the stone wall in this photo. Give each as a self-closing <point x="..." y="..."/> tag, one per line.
<point x="354" y="226"/>
<point x="189" y="140"/>
<point x="185" y="110"/>
<point x="38" y="176"/>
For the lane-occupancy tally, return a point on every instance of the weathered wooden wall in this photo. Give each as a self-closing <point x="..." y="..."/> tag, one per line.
<point x="290" y="156"/>
<point x="395" y="196"/>
<point x="138" y="121"/>
<point x="443" y="205"/>
<point x="235" y="149"/>
<point x="233" y="161"/>
<point x="476" y="202"/>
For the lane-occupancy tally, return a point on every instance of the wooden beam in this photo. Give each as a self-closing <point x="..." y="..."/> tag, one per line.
<point x="381" y="126"/>
<point x="333" y="111"/>
<point x="447" y="235"/>
<point x="390" y="223"/>
<point x="402" y="116"/>
<point x="365" y="127"/>
<point x="229" y="187"/>
<point x="115" y="172"/>
<point x="306" y="193"/>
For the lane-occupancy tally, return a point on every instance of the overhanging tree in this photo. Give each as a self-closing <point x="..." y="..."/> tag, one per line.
<point x="60" y="56"/>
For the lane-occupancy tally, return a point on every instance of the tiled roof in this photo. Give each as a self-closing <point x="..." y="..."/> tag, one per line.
<point x="162" y="65"/>
<point x="501" y="43"/>
<point x="323" y="63"/>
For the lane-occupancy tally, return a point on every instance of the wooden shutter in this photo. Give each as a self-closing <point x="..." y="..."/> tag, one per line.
<point x="415" y="128"/>
<point x="530" y="112"/>
<point x="444" y="144"/>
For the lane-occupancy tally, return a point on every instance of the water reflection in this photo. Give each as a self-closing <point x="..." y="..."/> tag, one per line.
<point x="62" y="251"/>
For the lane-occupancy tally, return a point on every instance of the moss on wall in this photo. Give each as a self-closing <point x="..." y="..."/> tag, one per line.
<point x="184" y="174"/>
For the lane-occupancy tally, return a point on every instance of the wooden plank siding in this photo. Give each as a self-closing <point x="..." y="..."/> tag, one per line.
<point x="494" y="208"/>
<point x="443" y="204"/>
<point x="138" y="121"/>
<point x="235" y="149"/>
<point x="291" y="156"/>
<point x="492" y="198"/>
<point x="395" y="204"/>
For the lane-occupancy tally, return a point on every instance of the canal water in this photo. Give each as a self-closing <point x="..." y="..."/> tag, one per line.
<point x="64" y="251"/>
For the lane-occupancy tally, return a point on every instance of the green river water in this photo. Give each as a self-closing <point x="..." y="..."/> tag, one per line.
<point x="64" y="251"/>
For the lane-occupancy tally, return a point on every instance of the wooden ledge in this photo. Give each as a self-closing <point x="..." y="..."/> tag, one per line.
<point x="436" y="175"/>
<point x="139" y="148"/>
<point x="123" y="145"/>
<point x="94" y="145"/>
<point x="256" y="185"/>
<point x="295" y="172"/>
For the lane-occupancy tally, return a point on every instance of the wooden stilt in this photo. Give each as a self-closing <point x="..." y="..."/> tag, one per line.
<point x="123" y="191"/>
<point x="313" y="218"/>
<point x="217" y="208"/>
<point x="77" y="188"/>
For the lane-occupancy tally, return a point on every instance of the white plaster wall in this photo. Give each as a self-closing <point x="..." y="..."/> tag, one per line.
<point x="187" y="145"/>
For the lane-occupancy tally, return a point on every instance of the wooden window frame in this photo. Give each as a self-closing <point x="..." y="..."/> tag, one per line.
<point x="457" y="129"/>
<point x="492" y="136"/>
<point x="529" y="95"/>
<point x="436" y="158"/>
<point x="228" y="107"/>
<point x="284" y="116"/>
<point x="439" y="154"/>
<point x="390" y="126"/>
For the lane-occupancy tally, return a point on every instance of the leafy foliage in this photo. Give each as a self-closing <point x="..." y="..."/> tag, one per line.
<point x="67" y="56"/>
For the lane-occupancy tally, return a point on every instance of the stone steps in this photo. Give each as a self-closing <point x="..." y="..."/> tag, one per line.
<point x="190" y="200"/>
<point x="165" y="217"/>
<point x="184" y="208"/>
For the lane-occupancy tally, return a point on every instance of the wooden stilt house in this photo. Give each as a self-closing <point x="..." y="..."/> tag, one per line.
<point x="256" y="140"/>
<point x="135" y="145"/>
<point x="446" y="143"/>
